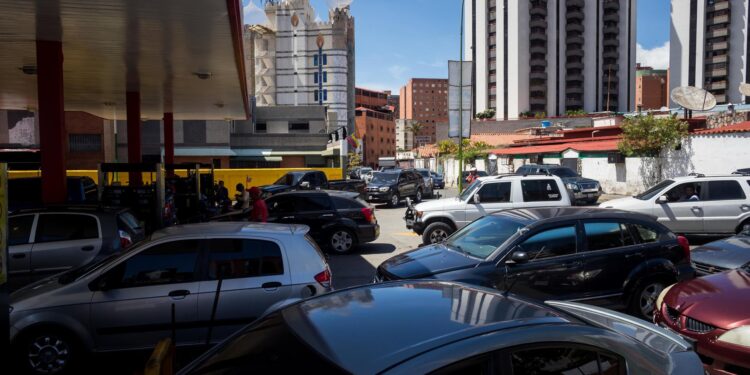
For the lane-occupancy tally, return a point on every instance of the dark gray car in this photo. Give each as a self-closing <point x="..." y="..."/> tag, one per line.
<point x="719" y="256"/>
<point x="423" y="327"/>
<point x="582" y="190"/>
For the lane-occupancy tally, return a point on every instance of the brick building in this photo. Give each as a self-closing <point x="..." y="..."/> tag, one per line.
<point x="651" y="88"/>
<point x="374" y="125"/>
<point x="424" y="100"/>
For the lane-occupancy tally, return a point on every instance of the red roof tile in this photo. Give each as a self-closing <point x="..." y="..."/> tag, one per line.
<point x="736" y="128"/>
<point x="585" y="146"/>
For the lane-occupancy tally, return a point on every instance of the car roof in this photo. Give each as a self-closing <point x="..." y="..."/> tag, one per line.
<point x="543" y="215"/>
<point x="229" y="228"/>
<point x="514" y="176"/>
<point x="375" y="326"/>
<point x="72" y="208"/>
<point x="703" y="177"/>
<point x="333" y="193"/>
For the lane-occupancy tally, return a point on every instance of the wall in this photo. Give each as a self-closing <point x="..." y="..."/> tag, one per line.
<point x="709" y="154"/>
<point x="295" y="161"/>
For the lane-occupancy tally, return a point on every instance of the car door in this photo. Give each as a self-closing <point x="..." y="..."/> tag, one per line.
<point x="539" y="193"/>
<point x="140" y="294"/>
<point x="317" y="212"/>
<point x="404" y="185"/>
<point x="493" y="196"/>
<point x="254" y="276"/>
<point x="554" y="268"/>
<point x="724" y="206"/>
<point x="63" y="241"/>
<point x="20" y="230"/>
<point x="679" y="213"/>
<point x="610" y="253"/>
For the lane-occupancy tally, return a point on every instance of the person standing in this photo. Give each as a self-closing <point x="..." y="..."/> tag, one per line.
<point x="472" y="176"/>
<point x="242" y="197"/>
<point x="259" y="213"/>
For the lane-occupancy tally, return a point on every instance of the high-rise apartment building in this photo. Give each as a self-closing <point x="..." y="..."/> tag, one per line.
<point x="551" y="56"/>
<point x="375" y="125"/>
<point x="651" y="88"/>
<point x="709" y="47"/>
<point x="424" y="101"/>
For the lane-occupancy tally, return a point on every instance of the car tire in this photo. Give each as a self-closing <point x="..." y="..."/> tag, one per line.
<point x="394" y="200"/>
<point x="436" y="232"/>
<point x="342" y="241"/>
<point x="742" y="225"/>
<point x="418" y="196"/>
<point x="592" y="201"/>
<point x="47" y="351"/>
<point x="643" y="298"/>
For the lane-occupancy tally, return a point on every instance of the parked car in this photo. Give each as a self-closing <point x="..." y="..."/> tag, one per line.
<point x="743" y="171"/>
<point x="25" y="193"/>
<point x="125" y="302"/>
<point x="337" y="221"/>
<point x="424" y="327"/>
<point x="695" y="204"/>
<point x="719" y="256"/>
<point x="429" y="184"/>
<point x="609" y="258"/>
<point x="360" y="173"/>
<point x="713" y="313"/>
<point x="311" y="180"/>
<point x="43" y="242"/>
<point x="438" y="180"/>
<point x="394" y="185"/>
<point x="438" y="219"/>
<point x="582" y="190"/>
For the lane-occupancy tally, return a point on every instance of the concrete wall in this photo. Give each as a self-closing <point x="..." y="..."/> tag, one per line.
<point x="709" y="154"/>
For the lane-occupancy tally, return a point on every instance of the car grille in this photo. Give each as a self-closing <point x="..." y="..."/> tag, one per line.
<point x="674" y="315"/>
<point x="697" y="326"/>
<point x="372" y="189"/>
<point x="706" y="269"/>
<point x="588" y="185"/>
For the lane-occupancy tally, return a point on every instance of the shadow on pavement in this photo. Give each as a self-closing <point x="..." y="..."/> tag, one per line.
<point x="375" y="248"/>
<point x="350" y="270"/>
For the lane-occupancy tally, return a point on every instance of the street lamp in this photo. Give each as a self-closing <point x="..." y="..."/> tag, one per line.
<point x="461" y="103"/>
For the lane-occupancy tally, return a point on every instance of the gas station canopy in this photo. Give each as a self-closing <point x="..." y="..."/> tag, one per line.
<point x="183" y="56"/>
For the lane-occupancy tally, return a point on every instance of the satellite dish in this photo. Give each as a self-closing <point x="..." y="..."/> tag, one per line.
<point x="745" y="89"/>
<point x="693" y="98"/>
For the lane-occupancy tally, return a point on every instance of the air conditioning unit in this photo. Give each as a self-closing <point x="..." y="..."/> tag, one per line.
<point x="615" y="158"/>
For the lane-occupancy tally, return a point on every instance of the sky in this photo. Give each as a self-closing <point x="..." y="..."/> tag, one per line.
<point x="401" y="39"/>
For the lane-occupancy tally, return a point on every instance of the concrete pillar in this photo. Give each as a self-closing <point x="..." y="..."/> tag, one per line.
<point x="168" y="139"/>
<point x="51" y="117"/>
<point x="133" y="103"/>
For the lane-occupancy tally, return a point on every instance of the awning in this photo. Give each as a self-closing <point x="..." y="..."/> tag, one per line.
<point x="203" y="151"/>
<point x="258" y="158"/>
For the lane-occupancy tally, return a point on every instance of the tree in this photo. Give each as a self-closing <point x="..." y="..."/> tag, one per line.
<point x="648" y="135"/>
<point x="470" y="150"/>
<point x="414" y="128"/>
<point x="447" y="147"/>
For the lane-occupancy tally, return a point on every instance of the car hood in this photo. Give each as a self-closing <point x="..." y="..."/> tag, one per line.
<point x="732" y="252"/>
<point x="578" y="179"/>
<point x="274" y="188"/>
<point x="623" y="203"/>
<point x="721" y="300"/>
<point x="39" y="294"/>
<point x="379" y="185"/>
<point x="439" y="204"/>
<point x="426" y="261"/>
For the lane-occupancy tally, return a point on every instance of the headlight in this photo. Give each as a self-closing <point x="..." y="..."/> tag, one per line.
<point x="660" y="299"/>
<point x="572" y="186"/>
<point x="738" y="336"/>
<point x="384" y="189"/>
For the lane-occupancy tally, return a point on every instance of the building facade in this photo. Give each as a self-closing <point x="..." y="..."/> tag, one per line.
<point x="424" y="101"/>
<point x="375" y="125"/>
<point x="709" y="47"/>
<point x="651" y="88"/>
<point x="551" y="56"/>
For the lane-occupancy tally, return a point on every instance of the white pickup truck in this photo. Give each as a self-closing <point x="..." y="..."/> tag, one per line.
<point x="438" y="219"/>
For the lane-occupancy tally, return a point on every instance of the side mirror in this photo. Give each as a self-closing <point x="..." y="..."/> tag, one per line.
<point x="304" y="184"/>
<point x="476" y="199"/>
<point x="662" y="199"/>
<point x="519" y="257"/>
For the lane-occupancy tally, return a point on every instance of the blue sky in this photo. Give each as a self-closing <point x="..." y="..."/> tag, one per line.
<point x="400" y="39"/>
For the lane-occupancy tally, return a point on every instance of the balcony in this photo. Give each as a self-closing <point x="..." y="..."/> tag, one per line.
<point x="717" y="20"/>
<point x="575" y="3"/>
<point x="538" y="23"/>
<point x="716" y="59"/>
<point x="611" y="42"/>
<point x="575" y="40"/>
<point x="574" y="52"/>
<point x="721" y="98"/>
<point x="612" y="5"/>
<point x="574" y="90"/>
<point x="572" y="103"/>
<point x="613" y="67"/>
<point x="611" y="17"/>
<point x="724" y="31"/>
<point x="574" y="27"/>
<point x="538" y="10"/>
<point x="574" y="77"/>
<point x="574" y="65"/>
<point x="538" y="101"/>
<point x="538" y="49"/>
<point x="716" y="72"/>
<point x="717" y="85"/>
<point x="611" y="29"/>
<point x="611" y="54"/>
<point x="718" y="5"/>
<point x="538" y="61"/>
<point x="720" y="46"/>
<point x="574" y="14"/>
<point x="538" y="88"/>
<point x="538" y="75"/>
<point x="538" y="36"/>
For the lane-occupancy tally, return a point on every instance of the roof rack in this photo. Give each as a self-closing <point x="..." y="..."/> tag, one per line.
<point x="697" y="175"/>
<point x="501" y="175"/>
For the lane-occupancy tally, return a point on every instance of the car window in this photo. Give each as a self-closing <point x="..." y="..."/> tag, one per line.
<point x="724" y="190"/>
<point x="654" y="190"/>
<point x="19" y="229"/>
<point x="551" y="243"/>
<point x="565" y="360"/>
<point x="687" y="192"/>
<point x="540" y="190"/>
<point x="346" y="204"/>
<point x="646" y="234"/>
<point x="607" y="235"/>
<point x="236" y="258"/>
<point x="483" y="236"/>
<point x="128" y="222"/>
<point x="312" y="202"/>
<point x="479" y="365"/>
<point x="493" y="193"/>
<point x="66" y="227"/>
<point x="166" y="263"/>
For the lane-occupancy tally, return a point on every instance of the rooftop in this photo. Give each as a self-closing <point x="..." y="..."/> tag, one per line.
<point x="735" y="128"/>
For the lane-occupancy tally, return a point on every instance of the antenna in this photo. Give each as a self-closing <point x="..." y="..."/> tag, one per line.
<point x="693" y="98"/>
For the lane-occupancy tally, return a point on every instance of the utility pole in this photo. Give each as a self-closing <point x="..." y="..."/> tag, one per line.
<point x="461" y="104"/>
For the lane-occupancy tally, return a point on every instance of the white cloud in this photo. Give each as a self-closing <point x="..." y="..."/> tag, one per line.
<point x="657" y="57"/>
<point x="397" y="71"/>
<point x="253" y="15"/>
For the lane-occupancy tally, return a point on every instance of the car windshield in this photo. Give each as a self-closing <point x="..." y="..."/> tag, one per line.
<point x="290" y="179"/>
<point x="469" y="190"/>
<point x="563" y="172"/>
<point x="381" y="177"/>
<point x="650" y="193"/>
<point x="482" y="237"/>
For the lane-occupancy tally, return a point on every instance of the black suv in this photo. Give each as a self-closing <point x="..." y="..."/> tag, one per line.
<point x="582" y="190"/>
<point x="602" y="256"/>
<point x="337" y="220"/>
<point x="394" y="185"/>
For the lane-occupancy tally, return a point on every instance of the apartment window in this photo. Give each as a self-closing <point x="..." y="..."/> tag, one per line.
<point x="325" y="59"/>
<point x="315" y="94"/>
<point x="325" y="94"/>
<point x="315" y="60"/>
<point x="315" y="77"/>
<point x="261" y="127"/>
<point x="325" y="77"/>
<point x="299" y="127"/>
<point x="85" y="142"/>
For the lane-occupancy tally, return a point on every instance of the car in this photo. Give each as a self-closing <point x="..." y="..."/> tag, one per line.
<point x="438" y="219"/>
<point x="26" y="192"/>
<point x="310" y="180"/>
<point x="430" y="327"/>
<point x="715" y="205"/>
<point x="429" y="185"/>
<point x="126" y="302"/>
<point x="360" y="173"/>
<point x="45" y="241"/>
<point x="338" y="222"/>
<point x="726" y="254"/>
<point x="743" y="171"/>
<point x="611" y="258"/>
<point x="438" y="180"/>
<point x="713" y="313"/>
<point x="394" y="185"/>
<point x="582" y="190"/>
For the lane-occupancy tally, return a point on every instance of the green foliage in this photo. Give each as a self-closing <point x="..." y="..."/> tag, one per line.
<point x="575" y="112"/>
<point x="646" y="135"/>
<point x="415" y="127"/>
<point x="471" y="150"/>
<point x="447" y="147"/>
<point x="488" y="114"/>
<point x="540" y="115"/>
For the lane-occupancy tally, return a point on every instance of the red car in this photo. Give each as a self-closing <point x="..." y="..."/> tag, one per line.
<point x="714" y="313"/>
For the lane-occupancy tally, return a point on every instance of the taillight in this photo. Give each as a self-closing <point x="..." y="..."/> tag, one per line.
<point x="683" y="241"/>
<point x="125" y="240"/>
<point x="369" y="214"/>
<point x="324" y="278"/>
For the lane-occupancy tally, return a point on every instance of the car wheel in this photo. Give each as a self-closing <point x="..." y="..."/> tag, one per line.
<point x="395" y="199"/>
<point x="643" y="300"/>
<point x="341" y="241"/>
<point x="742" y="226"/>
<point x="592" y="201"/>
<point x="418" y="197"/>
<point x="436" y="233"/>
<point x="47" y="351"/>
